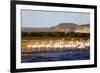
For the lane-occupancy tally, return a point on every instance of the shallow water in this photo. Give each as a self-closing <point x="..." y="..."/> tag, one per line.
<point x="66" y="55"/>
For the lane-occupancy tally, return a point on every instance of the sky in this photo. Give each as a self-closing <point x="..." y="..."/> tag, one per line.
<point x="33" y="18"/>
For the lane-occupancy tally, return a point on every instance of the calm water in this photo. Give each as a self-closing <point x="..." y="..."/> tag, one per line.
<point x="45" y="56"/>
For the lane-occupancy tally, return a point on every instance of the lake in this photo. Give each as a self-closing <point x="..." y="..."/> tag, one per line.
<point x="64" y="55"/>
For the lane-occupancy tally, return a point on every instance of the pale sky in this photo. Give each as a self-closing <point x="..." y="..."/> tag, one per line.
<point x="33" y="18"/>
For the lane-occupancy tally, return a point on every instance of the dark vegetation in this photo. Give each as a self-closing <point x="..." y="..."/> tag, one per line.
<point x="55" y="34"/>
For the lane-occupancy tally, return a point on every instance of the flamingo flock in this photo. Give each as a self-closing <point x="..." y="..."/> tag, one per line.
<point x="58" y="44"/>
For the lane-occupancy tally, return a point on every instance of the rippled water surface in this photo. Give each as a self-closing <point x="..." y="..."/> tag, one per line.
<point x="45" y="56"/>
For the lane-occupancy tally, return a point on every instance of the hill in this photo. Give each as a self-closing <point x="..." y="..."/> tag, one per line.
<point x="62" y="27"/>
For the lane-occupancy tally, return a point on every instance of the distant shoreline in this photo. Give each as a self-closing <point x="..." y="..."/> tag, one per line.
<point x="62" y="27"/>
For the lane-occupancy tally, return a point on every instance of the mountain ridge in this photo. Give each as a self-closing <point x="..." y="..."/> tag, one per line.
<point x="62" y="27"/>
